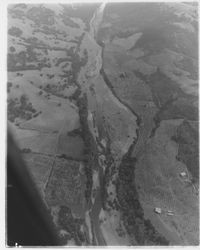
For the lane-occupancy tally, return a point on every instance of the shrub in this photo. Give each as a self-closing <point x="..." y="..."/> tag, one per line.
<point x="14" y="31"/>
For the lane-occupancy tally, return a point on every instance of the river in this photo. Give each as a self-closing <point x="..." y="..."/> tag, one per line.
<point x="90" y="76"/>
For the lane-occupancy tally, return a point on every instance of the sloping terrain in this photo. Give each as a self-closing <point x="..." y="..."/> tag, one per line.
<point x="103" y="104"/>
<point x="150" y="64"/>
<point x="160" y="184"/>
<point x="44" y="60"/>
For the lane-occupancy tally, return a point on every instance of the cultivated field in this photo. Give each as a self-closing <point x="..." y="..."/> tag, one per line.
<point x="103" y="105"/>
<point x="66" y="186"/>
<point x="39" y="166"/>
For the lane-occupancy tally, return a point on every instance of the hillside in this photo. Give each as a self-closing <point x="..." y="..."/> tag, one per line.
<point x="103" y="105"/>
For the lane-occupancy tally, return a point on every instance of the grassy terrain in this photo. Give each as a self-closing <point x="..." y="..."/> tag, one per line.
<point x="40" y="167"/>
<point x="112" y="139"/>
<point x="84" y="12"/>
<point x="43" y="61"/>
<point x="156" y="75"/>
<point x="186" y="138"/>
<point x="159" y="184"/>
<point x="132" y="212"/>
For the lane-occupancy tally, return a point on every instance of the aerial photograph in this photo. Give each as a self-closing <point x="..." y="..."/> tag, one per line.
<point x="102" y="124"/>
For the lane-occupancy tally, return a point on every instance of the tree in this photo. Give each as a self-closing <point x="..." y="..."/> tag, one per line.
<point x="12" y="49"/>
<point x="23" y="99"/>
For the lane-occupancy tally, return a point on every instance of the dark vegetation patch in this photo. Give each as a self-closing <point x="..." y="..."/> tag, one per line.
<point x="9" y="86"/>
<point x="171" y="101"/>
<point x="132" y="212"/>
<point x="61" y="60"/>
<point x="20" y="108"/>
<point x="162" y="87"/>
<point x="33" y="42"/>
<point x="26" y="60"/>
<point x="68" y="21"/>
<point x="17" y="13"/>
<point x="124" y="33"/>
<point x="76" y="61"/>
<point x="64" y="185"/>
<point x="157" y="38"/>
<point x="75" y="132"/>
<point x="30" y="59"/>
<point x="75" y="95"/>
<point x="70" y="158"/>
<point x="143" y="15"/>
<point x="14" y="31"/>
<point x="90" y="150"/>
<point x="188" y="151"/>
<point x="64" y="189"/>
<point x="12" y="49"/>
<point x="113" y="32"/>
<point x="55" y="89"/>
<point x="110" y="170"/>
<point x="45" y="29"/>
<point x="26" y="150"/>
<point x="181" y="108"/>
<point x="154" y="40"/>
<point x="41" y="15"/>
<point x="72" y="225"/>
<point x="153" y="21"/>
<point x="190" y="65"/>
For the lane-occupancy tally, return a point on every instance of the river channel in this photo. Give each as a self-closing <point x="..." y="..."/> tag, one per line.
<point x="90" y="76"/>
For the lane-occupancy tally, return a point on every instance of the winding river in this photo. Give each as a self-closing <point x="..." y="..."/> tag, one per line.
<point x="90" y="75"/>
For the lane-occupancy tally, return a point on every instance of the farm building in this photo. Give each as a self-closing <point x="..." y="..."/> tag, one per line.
<point x="158" y="210"/>
<point x="183" y="174"/>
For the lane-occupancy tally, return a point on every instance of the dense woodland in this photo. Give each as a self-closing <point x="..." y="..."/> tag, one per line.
<point x="132" y="212"/>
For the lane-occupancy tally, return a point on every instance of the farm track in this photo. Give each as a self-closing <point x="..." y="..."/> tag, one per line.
<point x="68" y="158"/>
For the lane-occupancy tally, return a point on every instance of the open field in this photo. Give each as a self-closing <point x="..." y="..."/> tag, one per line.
<point x="107" y="111"/>
<point x="159" y="185"/>
<point x="52" y="115"/>
<point x="103" y="105"/>
<point x="152" y="68"/>
<point x="186" y="138"/>
<point x="71" y="146"/>
<point x="130" y="89"/>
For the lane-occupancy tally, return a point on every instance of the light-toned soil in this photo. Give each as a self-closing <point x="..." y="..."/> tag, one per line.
<point x="110" y="224"/>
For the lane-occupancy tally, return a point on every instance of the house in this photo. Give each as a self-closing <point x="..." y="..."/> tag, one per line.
<point x="183" y="174"/>
<point x="158" y="210"/>
<point x="170" y="213"/>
